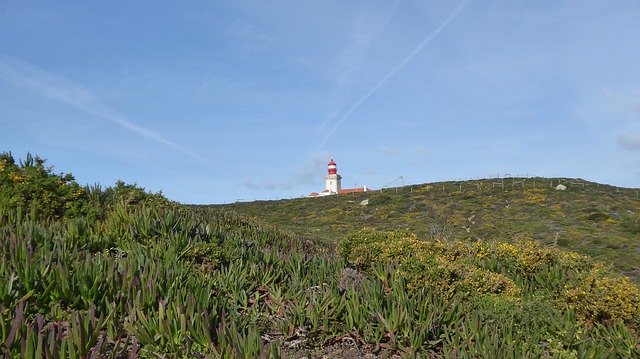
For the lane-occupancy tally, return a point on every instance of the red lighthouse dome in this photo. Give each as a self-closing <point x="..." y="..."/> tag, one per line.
<point x="332" y="167"/>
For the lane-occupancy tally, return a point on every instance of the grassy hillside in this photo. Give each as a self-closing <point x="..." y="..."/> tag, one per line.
<point x="598" y="220"/>
<point x="123" y="273"/>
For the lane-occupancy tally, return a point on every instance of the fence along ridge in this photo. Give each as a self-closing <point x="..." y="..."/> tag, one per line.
<point x="523" y="182"/>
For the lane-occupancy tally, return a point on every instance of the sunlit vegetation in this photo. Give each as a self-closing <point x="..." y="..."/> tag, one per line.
<point x="128" y="273"/>
<point x="597" y="220"/>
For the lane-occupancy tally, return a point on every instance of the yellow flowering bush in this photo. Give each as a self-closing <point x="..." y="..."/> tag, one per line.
<point x="534" y="196"/>
<point x="558" y="210"/>
<point x="436" y="265"/>
<point x="527" y="257"/>
<point x="16" y="177"/>
<point x="603" y="298"/>
<point x="455" y="278"/>
<point x="476" y="280"/>
<point x="492" y="269"/>
<point x="368" y="246"/>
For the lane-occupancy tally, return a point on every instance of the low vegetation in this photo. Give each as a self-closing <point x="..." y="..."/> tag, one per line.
<point x="128" y="273"/>
<point x="598" y="220"/>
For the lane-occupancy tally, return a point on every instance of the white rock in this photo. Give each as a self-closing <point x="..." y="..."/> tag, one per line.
<point x="561" y="187"/>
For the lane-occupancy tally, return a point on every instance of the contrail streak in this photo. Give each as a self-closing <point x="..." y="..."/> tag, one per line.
<point x="394" y="70"/>
<point x="58" y="89"/>
<point x="352" y="67"/>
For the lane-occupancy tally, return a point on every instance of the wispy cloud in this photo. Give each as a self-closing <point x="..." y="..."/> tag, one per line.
<point x="269" y="185"/>
<point x="64" y="91"/>
<point x="364" y="33"/>
<point x="626" y="100"/>
<point x="310" y="171"/>
<point x="396" y="151"/>
<point x="629" y="142"/>
<point x="248" y="37"/>
<point x="390" y="151"/>
<point x="421" y="150"/>
<point x="366" y="30"/>
<point x="394" y="70"/>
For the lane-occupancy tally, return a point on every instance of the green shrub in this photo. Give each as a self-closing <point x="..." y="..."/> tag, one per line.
<point x="32" y="186"/>
<point x="208" y="254"/>
<point x="595" y="214"/>
<point x="631" y="225"/>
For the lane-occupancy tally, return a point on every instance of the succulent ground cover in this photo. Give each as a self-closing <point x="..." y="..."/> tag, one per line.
<point x="131" y="274"/>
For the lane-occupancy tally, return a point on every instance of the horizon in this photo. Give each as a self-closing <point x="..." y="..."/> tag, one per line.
<point x="455" y="183"/>
<point x="210" y="103"/>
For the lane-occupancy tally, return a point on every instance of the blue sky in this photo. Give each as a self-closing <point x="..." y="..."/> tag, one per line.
<point x="212" y="102"/>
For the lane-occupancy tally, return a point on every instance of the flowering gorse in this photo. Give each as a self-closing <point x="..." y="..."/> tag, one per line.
<point x="501" y="270"/>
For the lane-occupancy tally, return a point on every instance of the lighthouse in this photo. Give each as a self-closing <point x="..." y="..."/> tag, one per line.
<point x="332" y="181"/>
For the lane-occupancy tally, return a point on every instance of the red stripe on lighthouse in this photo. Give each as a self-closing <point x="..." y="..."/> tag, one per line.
<point x="332" y="167"/>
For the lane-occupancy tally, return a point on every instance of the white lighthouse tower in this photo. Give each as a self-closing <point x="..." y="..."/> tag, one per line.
<point x="332" y="185"/>
<point x="332" y="179"/>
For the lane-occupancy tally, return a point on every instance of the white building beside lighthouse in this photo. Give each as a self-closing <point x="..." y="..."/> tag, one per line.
<point x="333" y="183"/>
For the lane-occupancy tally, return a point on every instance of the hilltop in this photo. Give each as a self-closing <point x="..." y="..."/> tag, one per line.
<point x="599" y="220"/>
